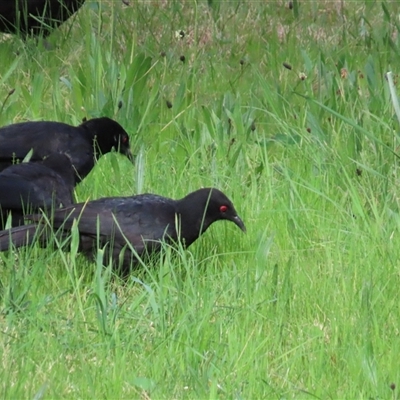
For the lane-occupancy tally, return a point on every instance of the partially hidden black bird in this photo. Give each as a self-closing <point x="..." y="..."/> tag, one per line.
<point x="143" y="222"/>
<point x="83" y="143"/>
<point x="35" y="16"/>
<point x="28" y="187"/>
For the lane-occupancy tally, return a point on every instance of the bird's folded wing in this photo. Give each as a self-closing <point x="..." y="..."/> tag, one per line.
<point x="120" y="220"/>
<point x="17" y="193"/>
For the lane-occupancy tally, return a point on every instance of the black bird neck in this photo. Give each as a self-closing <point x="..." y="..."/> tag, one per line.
<point x="98" y="135"/>
<point x="193" y="217"/>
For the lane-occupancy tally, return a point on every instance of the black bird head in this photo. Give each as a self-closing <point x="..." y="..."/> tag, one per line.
<point x="109" y="135"/>
<point x="199" y="209"/>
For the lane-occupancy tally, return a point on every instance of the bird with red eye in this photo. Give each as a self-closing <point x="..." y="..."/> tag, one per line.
<point x="83" y="144"/>
<point x="143" y="221"/>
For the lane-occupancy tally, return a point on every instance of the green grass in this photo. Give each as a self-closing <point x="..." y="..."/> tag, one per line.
<point x="305" y="305"/>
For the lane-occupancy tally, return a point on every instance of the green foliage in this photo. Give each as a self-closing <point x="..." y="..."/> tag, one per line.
<point x="285" y="108"/>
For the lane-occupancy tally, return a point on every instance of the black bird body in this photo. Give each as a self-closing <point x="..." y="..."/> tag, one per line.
<point x="25" y="188"/>
<point x="35" y="16"/>
<point x="143" y="221"/>
<point x="83" y="144"/>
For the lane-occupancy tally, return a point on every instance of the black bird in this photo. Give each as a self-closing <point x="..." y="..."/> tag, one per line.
<point x="28" y="187"/>
<point x="142" y="221"/>
<point x="83" y="144"/>
<point x="35" y="16"/>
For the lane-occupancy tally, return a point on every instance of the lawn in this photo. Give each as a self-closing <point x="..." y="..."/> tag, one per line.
<point x="286" y="107"/>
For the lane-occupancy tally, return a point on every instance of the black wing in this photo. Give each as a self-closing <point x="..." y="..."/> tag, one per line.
<point x="143" y="220"/>
<point x="45" y="138"/>
<point x="28" y="187"/>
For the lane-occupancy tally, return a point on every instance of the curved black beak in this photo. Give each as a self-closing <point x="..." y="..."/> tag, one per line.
<point x="130" y="156"/>
<point x="237" y="221"/>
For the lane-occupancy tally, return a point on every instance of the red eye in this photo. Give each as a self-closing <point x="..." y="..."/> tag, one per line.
<point x="223" y="208"/>
<point x="124" y="139"/>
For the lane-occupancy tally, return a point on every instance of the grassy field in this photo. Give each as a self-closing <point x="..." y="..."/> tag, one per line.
<point x="284" y="107"/>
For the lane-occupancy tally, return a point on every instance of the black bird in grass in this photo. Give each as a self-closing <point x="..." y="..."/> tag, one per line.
<point x="35" y="16"/>
<point x="83" y="144"/>
<point x="28" y="187"/>
<point x="143" y="221"/>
